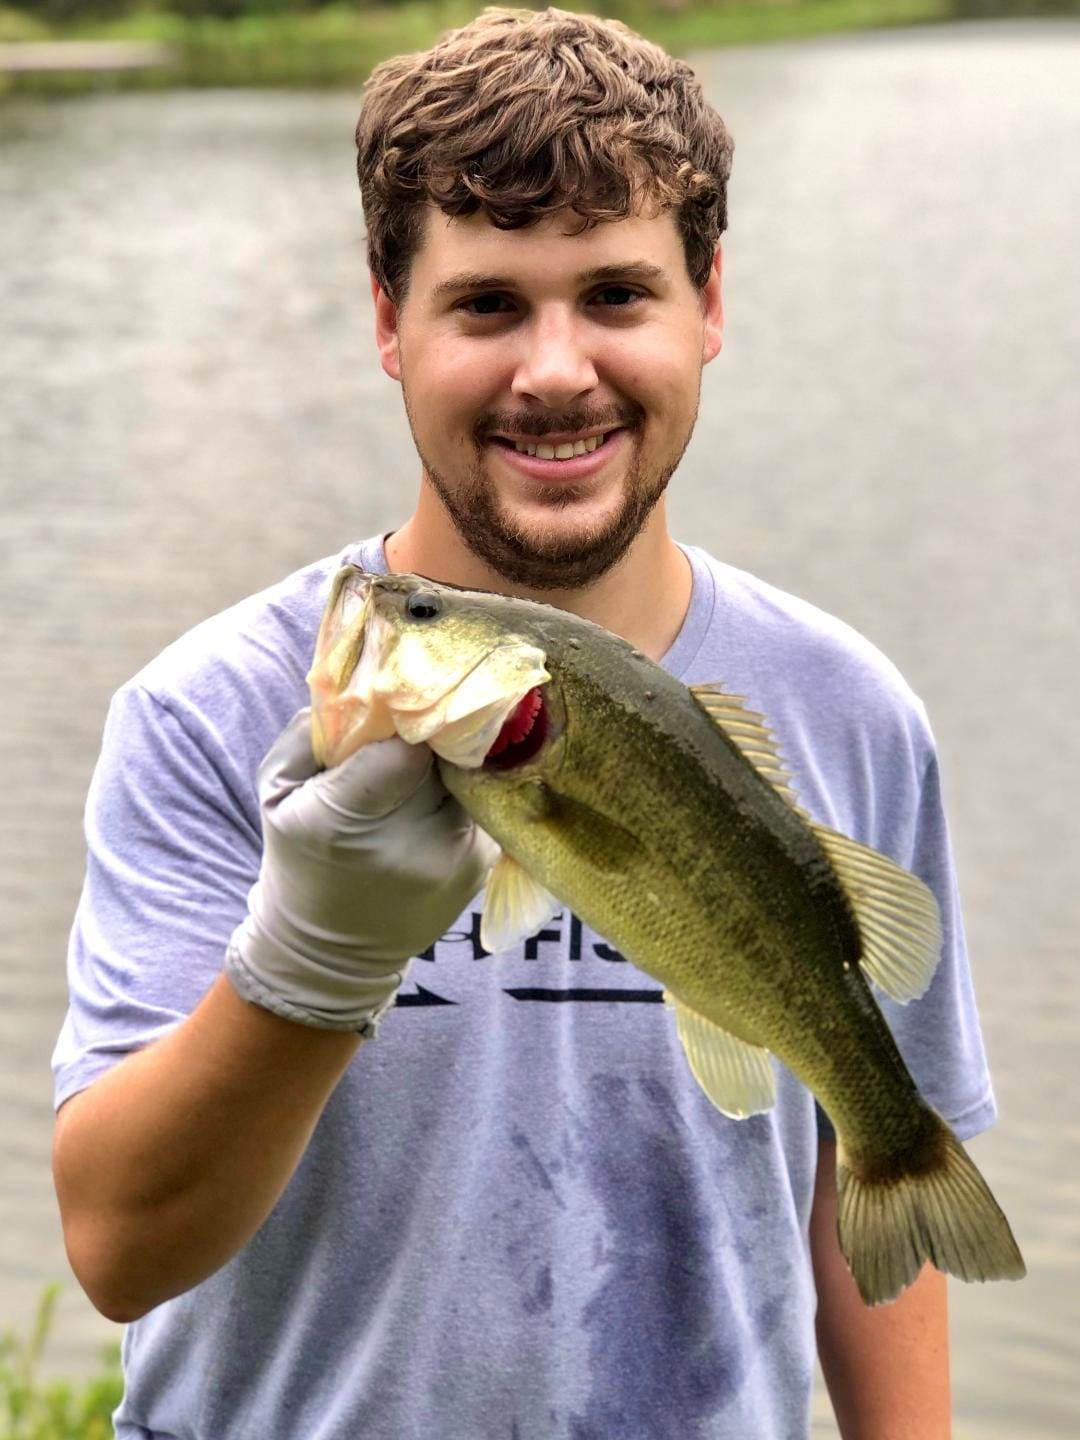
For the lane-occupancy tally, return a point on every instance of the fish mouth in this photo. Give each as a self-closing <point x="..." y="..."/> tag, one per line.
<point x="374" y="677"/>
<point x="522" y="735"/>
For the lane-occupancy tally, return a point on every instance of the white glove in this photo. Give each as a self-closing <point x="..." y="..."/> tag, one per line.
<point x="364" y="865"/>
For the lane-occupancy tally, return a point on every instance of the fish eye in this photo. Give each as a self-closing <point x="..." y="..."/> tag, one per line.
<point x="422" y="605"/>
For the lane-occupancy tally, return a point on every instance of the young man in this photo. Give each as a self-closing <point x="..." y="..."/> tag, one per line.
<point x="513" y="1215"/>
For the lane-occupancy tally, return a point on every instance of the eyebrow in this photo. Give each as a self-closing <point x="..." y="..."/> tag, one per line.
<point x="471" y="280"/>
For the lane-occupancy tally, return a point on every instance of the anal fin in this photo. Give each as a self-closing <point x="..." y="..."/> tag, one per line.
<point x="735" y="1075"/>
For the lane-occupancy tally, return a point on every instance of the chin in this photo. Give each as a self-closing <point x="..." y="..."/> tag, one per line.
<point x="554" y="538"/>
<point x="563" y="552"/>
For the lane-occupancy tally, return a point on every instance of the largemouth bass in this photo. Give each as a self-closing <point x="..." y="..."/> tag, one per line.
<point x="661" y="815"/>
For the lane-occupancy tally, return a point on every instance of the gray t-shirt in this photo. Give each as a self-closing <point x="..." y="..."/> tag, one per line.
<point x="518" y="1218"/>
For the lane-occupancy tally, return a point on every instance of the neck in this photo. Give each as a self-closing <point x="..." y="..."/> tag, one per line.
<point x="644" y="598"/>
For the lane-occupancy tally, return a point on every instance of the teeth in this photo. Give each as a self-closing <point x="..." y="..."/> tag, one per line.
<point x="560" y="452"/>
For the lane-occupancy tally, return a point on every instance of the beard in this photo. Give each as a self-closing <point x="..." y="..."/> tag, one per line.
<point x="526" y="555"/>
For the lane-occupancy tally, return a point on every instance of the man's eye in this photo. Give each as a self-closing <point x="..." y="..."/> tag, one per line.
<point x="615" y="297"/>
<point x="624" y="290"/>
<point x="483" y="301"/>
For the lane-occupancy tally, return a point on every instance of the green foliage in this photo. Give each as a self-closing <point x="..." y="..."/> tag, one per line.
<point x="337" y="42"/>
<point x="36" y="1409"/>
<point x="63" y="11"/>
<point x="999" y="9"/>
<point x="73" y="11"/>
<point x="17" y="25"/>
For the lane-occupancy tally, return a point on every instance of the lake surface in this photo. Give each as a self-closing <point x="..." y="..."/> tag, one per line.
<point x="192" y="407"/>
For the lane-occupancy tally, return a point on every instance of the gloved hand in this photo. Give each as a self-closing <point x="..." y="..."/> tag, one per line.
<point x="364" y="865"/>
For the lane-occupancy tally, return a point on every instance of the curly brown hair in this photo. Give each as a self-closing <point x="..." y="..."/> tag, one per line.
<point x="524" y="113"/>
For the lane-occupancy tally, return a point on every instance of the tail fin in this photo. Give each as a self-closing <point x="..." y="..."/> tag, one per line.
<point x="891" y="1224"/>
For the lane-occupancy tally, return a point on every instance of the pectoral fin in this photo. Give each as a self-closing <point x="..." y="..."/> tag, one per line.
<point x="736" y="1076"/>
<point x="515" y="905"/>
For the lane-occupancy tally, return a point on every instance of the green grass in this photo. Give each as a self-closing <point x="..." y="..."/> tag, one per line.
<point x="338" y="45"/>
<point x="36" y="1409"/>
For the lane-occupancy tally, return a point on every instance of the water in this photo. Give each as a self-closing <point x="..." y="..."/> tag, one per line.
<point x="192" y="407"/>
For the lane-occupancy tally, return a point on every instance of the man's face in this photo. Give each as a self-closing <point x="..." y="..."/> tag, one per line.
<point x="542" y="337"/>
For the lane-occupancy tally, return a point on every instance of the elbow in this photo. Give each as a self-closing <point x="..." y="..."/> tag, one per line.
<point x="123" y="1263"/>
<point x="104" y="1278"/>
<point x="121" y="1311"/>
<point x="101" y="1261"/>
<point x="114" y="1308"/>
<point x="109" y="1290"/>
<point x="100" y="1256"/>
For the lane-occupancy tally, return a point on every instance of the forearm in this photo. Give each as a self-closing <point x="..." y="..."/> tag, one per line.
<point x="170" y="1162"/>
<point x="886" y="1367"/>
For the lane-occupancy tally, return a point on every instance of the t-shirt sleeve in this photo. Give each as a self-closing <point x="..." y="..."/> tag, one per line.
<point x="938" y="1034"/>
<point x="173" y="848"/>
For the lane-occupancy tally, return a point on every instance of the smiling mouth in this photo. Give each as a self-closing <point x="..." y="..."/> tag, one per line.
<point x="567" y="450"/>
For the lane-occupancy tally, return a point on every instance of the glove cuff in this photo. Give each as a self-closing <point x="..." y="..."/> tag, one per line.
<point x="268" y="974"/>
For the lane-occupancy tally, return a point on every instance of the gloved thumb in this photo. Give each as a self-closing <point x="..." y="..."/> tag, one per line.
<point x="376" y="779"/>
<point x="289" y="761"/>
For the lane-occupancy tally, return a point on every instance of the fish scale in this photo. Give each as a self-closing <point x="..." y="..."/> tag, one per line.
<point x="728" y="883"/>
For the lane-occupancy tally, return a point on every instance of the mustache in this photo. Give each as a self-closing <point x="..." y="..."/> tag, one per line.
<point x="507" y="422"/>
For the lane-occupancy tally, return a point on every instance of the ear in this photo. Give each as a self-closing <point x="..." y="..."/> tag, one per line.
<point x="387" y="340"/>
<point x="712" y="305"/>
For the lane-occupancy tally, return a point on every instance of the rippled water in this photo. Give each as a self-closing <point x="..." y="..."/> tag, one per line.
<point x="191" y="407"/>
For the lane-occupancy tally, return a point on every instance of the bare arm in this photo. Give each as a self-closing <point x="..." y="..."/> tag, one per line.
<point x="887" y="1367"/>
<point x="169" y="1163"/>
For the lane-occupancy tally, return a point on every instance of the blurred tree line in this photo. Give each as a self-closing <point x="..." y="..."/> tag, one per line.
<point x="222" y="9"/>
<point x="61" y="10"/>
<point x="191" y="9"/>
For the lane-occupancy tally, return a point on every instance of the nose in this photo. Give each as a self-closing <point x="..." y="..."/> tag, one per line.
<point x="555" y="366"/>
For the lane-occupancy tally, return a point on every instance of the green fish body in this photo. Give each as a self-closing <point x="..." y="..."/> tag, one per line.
<point x="662" y="817"/>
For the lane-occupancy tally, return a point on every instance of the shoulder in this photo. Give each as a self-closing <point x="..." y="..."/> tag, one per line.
<point x="812" y="645"/>
<point x="847" y="719"/>
<point x="228" y="686"/>
<point x="268" y="635"/>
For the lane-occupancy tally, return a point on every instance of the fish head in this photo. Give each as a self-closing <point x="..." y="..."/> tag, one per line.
<point x="402" y="655"/>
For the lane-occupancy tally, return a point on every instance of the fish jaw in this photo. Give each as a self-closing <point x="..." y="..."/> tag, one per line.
<point x="465" y="724"/>
<point x="338" y="719"/>
<point x="451" y="682"/>
<point x="347" y="709"/>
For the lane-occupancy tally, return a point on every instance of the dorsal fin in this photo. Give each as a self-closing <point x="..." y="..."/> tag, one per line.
<point x="747" y="731"/>
<point x="896" y="913"/>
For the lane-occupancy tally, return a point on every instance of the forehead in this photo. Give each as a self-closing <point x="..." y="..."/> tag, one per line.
<point x="547" y="253"/>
